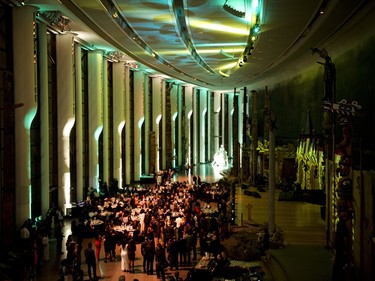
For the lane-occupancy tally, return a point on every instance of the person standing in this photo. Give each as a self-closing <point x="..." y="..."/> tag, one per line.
<point x="59" y="239"/>
<point x="70" y="246"/>
<point x="25" y="235"/>
<point x="98" y="246"/>
<point x="124" y="257"/>
<point x="143" y="252"/>
<point x="90" y="261"/>
<point x="113" y="245"/>
<point x="150" y="255"/>
<point x="131" y="253"/>
<point x="107" y="246"/>
<point x="173" y="253"/>
<point x="45" y="242"/>
<point x="161" y="261"/>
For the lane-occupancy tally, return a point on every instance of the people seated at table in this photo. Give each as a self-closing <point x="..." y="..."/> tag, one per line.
<point x="174" y="213"/>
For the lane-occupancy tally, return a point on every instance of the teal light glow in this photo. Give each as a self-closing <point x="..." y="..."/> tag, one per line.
<point x="29" y="117"/>
<point x="98" y="131"/>
<point x="256" y="29"/>
<point x="174" y="116"/>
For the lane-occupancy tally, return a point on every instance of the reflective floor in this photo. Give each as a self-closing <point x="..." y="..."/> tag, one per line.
<point x="300" y="223"/>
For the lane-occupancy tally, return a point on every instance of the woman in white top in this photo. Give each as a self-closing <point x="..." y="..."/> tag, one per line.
<point x="124" y="257"/>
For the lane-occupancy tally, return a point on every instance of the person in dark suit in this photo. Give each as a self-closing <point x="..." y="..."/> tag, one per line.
<point x="150" y="256"/>
<point x="59" y="239"/>
<point x="90" y="261"/>
<point x="173" y="253"/>
<point x="131" y="252"/>
<point x="161" y="261"/>
<point x="143" y="252"/>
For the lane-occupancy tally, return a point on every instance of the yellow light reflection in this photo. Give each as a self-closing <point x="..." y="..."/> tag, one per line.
<point x="29" y="117"/>
<point x="227" y="66"/>
<point x="219" y="27"/>
<point x="97" y="133"/>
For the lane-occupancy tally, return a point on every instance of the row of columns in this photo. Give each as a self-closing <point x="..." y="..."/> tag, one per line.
<point x="132" y="109"/>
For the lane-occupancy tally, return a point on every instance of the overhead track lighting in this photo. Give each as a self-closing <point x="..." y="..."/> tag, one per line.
<point x="233" y="11"/>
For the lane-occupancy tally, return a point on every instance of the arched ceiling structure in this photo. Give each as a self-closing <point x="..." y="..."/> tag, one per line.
<point x="215" y="44"/>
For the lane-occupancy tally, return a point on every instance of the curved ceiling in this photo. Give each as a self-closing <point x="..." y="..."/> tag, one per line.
<point x="208" y="43"/>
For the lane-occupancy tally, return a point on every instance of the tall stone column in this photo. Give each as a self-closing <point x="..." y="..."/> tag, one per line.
<point x="222" y="119"/>
<point x="138" y="122"/>
<point x="272" y="172"/>
<point x="128" y="135"/>
<point x="168" y="139"/>
<point x="230" y="125"/>
<point x="26" y="97"/>
<point x="182" y="125"/>
<point x="202" y="125"/>
<point x="146" y="141"/>
<point x="254" y="134"/>
<point x="236" y="145"/>
<point x="194" y="141"/>
<point x="106" y="136"/>
<point x="79" y="120"/>
<point x="118" y="118"/>
<point x="209" y="126"/>
<point x="266" y="116"/>
<point x="156" y="117"/>
<point x="162" y="127"/>
<point x="246" y="128"/>
<point x="95" y="93"/>
<point x="175" y="104"/>
<point x="44" y="117"/>
<point x="188" y="114"/>
<point x="217" y="133"/>
<point x="65" y="114"/>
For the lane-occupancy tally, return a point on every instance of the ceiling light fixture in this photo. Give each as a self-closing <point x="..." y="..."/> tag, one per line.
<point x="233" y="11"/>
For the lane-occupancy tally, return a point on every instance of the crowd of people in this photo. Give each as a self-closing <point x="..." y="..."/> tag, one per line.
<point x="166" y="220"/>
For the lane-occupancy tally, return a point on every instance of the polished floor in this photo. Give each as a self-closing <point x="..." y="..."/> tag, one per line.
<point x="302" y="227"/>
